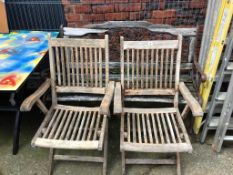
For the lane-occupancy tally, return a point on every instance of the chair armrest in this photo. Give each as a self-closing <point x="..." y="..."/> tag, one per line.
<point x="35" y="97"/>
<point x="105" y="104"/>
<point x="191" y="101"/>
<point x="118" y="99"/>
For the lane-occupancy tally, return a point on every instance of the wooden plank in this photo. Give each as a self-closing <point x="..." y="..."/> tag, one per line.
<point x="128" y="75"/>
<point x="191" y="101"/>
<point x="170" y="127"/>
<point x="106" y="60"/>
<point x="78" y="158"/>
<point x="51" y="122"/>
<point x="3" y="16"/>
<point x="96" y="68"/>
<point x="147" y="68"/>
<point x="156" y="68"/>
<point x="91" y="129"/>
<point x="91" y="65"/>
<point x="96" y="127"/>
<point x="86" y="66"/>
<point x="142" y="68"/>
<point x="157" y="148"/>
<point x="137" y="69"/>
<point x="149" y="92"/>
<point x="166" y="68"/>
<point x="67" y="123"/>
<point x="71" y="126"/>
<point x="165" y="128"/>
<point x="128" y="128"/>
<point x="122" y="61"/>
<point x="176" y="128"/>
<point x="86" y="126"/>
<point x="151" y="161"/>
<point x="134" y="127"/>
<point x="82" y="67"/>
<point x="77" y="60"/>
<point x="133" y="69"/>
<point x="149" y="110"/>
<point x="171" y="68"/>
<point x="160" y="127"/>
<point x="144" y="128"/>
<point x="154" y="129"/>
<point x="67" y="42"/>
<point x="139" y="128"/>
<point x="100" y="67"/>
<point x="149" y="128"/>
<point x="161" y="69"/>
<point x="69" y="89"/>
<point x="67" y="63"/>
<point x="159" y="44"/>
<point x="57" y="57"/>
<point x="152" y="68"/>
<point x="64" y="144"/>
<point x="76" y="108"/>
<point x="61" y="125"/>
<point x="78" y="137"/>
<point x="74" y="133"/>
<point x="63" y="66"/>
<point x="117" y="99"/>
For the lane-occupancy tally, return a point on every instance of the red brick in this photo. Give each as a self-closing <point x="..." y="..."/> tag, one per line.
<point x="156" y="21"/>
<point x="68" y="9"/>
<point x="128" y="7"/>
<point x="117" y="1"/>
<point x="198" y="4"/>
<point x="164" y="13"/>
<point x="92" y="17"/>
<point x="92" y="1"/>
<point x="83" y="8"/>
<point x="117" y="16"/>
<point x="103" y="8"/>
<point x="73" y="17"/>
<point x="136" y="15"/>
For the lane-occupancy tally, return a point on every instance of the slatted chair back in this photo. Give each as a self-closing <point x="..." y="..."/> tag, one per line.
<point x="151" y="65"/>
<point x="79" y="65"/>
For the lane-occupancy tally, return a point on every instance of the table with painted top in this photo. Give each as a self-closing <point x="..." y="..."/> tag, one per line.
<point x="20" y="54"/>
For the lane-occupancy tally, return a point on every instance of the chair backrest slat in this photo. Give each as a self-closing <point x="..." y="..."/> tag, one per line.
<point x="150" y="64"/>
<point x="79" y="62"/>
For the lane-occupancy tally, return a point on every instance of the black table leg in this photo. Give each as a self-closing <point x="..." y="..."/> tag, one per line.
<point x="16" y="132"/>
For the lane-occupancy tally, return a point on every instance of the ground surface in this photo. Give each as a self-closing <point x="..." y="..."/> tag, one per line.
<point x="33" y="161"/>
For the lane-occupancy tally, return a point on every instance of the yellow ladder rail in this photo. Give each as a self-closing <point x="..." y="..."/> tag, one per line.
<point x="220" y="34"/>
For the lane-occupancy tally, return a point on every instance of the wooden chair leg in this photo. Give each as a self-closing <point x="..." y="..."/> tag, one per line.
<point x="178" y="164"/>
<point x="105" y="150"/>
<point x="51" y="160"/>
<point x="123" y="162"/>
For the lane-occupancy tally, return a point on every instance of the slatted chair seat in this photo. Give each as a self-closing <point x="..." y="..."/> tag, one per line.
<point x="152" y="68"/>
<point x="71" y="127"/>
<point x="158" y="129"/>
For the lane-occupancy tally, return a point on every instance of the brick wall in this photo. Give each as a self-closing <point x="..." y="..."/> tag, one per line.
<point x="172" y="12"/>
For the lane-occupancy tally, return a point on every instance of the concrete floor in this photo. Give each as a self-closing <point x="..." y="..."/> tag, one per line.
<point x="33" y="161"/>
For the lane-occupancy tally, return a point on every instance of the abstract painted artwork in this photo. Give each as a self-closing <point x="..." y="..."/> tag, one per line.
<point x="20" y="53"/>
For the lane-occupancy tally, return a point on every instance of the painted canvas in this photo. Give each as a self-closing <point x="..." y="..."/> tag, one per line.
<point x="20" y="53"/>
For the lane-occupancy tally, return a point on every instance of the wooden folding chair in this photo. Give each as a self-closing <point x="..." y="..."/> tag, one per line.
<point x="76" y="66"/>
<point x="152" y="68"/>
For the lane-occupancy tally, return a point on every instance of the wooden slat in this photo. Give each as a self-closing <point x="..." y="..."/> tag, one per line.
<point x="67" y="60"/>
<point x="151" y="161"/>
<point x="161" y="68"/>
<point x="67" y="42"/>
<point x="106" y="60"/>
<point x="149" y="127"/>
<point x="176" y="128"/>
<point x="74" y="133"/>
<point x="149" y="110"/>
<point x="133" y="69"/>
<point x="96" y="68"/>
<point x="61" y="125"/>
<point x="91" y="129"/>
<point x="96" y="127"/>
<point x="166" y="68"/>
<point x="82" y="67"/>
<point x="86" y="126"/>
<point x="139" y="128"/>
<point x="100" y="67"/>
<point x="134" y="127"/>
<point x="91" y="66"/>
<point x="171" y="68"/>
<point x="137" y="70"/>
<point x="66" y="89"/>
<point x="67" y="123"/>
<point x="63" y="66"/>
<point x="158" y="148"/>
<point x="170" y="127"/>
<point x="71" y="126"/>
<point x="51" y="122"/>
<point x="152" y="69"/>
<point x="160" y="127"/>
<point x="165" y="128"/>
<point x="57" y="57"/>
<point x="150" y="92"/>
<point x="142" y="69"/>
<point x="77" y="61"/>
<point x="72" y="63"/>
<point x="156" y="68"/>
<point x="155" y="131"/>
<point x="147" y="68"/>
<point x="86" y="66"/>
<point x="128" y="128"/>
<point x="128" y="75"/>
<point x="81" y="125"/>
<point x="78" y="158"/>
<point x="160" y="44"/>
<point x="144" y="128"/>
<point x="54" y="127"/>
<point x="63" y="144"/>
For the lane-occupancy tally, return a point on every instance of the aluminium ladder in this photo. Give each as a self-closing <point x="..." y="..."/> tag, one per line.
<point x="218" y="97"/>
<point x="211" y="65"/>
<point x="225" y="120"/>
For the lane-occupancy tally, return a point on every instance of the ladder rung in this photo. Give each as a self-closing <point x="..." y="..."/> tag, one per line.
<point x="221" y="96"/>
<point x="228" y="138"/>
<point x="214" y="123"/>
<point x="230" y="66"/>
